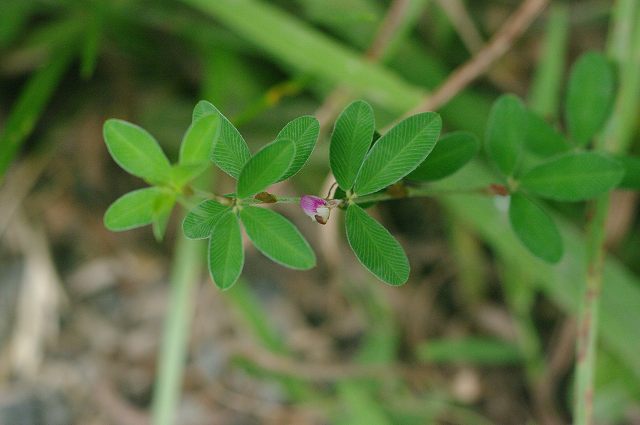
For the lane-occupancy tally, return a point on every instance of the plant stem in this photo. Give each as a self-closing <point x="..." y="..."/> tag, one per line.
<point x="624" y="47"/>
<point x="588" y="320"/>
<point x="405" y="192"/>
<point x="186" y="272"/>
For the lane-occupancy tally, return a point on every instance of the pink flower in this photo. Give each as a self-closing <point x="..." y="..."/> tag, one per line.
<point x="316" y="208"/>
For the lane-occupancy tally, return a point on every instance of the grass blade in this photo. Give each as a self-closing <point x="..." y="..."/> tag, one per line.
<point x="32" y="101"/>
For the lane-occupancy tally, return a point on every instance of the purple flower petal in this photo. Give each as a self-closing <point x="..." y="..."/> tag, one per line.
<point x="310" y="204"/>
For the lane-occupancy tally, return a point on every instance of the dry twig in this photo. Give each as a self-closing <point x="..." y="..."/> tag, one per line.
<point x="501" y="42"/>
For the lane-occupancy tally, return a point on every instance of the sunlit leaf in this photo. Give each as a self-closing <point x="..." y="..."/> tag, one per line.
<point x="199" y="139"/>
<point x="182" y="174"/>
<point x="136" y="151"/>
<point x="226" y="254"/>
<point x="303" y="132"/>
<point x="451" y="153"/>
<point x="535" y="228"/>
<point x="200" y="221"/>
<point x="230" y="152"/>
<point x="574" y="176"/>
<point x="277" y="238"/>
<point x="266" y="167"/>
<point x="202" y="109"/>
<point x="161" y="214"/>
<point x="398" y="152"/>
<point x="350" y="142"/>
<point x="134" y="209"/>
<point x="374" y="246"/>
<point x="590" y="96"/>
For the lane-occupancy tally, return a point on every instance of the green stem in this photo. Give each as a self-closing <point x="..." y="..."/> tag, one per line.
<point x="624" y="47"/>
<point x="185" y="275"/>
<point x="406" y="192"/>
<point x="588" y="320"/>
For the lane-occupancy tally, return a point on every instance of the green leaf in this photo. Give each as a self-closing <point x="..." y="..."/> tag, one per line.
<point x="134" y="209"/>
<point x="161" y="214"/>
<point x="303" y="131"/>
<point x="266" y="167"/>
<point x="277" y="238"/>
<point x="374" y="246"/>
<point x="202" y="109"/>
<point x="631" y="166"/>
<point x="473" y="350"/>
<point x="535" y="228"/>
<point x="574" y="176"/>
<point x="398" y="152"/>
<point x="230" y="152"/>
<point x="543" y="139"/>
<point x="450" y="154"/>
<point x="184" y="173"/>
<point x="350" y="142"/>
<point x="226" y="255"/>
<point x="506" y="132"/>
<point x="197" y="143"/>
<point x="136" y="151"/>
<point x="590" y="96"/>
<point x="200" y="221"/>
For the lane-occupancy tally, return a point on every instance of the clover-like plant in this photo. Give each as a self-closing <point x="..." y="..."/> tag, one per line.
<point x="532" y="159"/>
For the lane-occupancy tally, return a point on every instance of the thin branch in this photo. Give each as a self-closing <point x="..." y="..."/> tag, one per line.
<point x="463" y="24"/>
<point x="501" y="42"/>
<point x="393" y="19"/>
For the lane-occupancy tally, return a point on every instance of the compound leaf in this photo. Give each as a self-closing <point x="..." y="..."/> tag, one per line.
<point x="200" y="221"/>
<point x="134" y="209"/>
<point x="184" y="173"/>
<point x="506" y="131"/>
<point x="226" y="255"/>
<point x="375" y="248"/>
<point x="203" y="108"/>
<point x="398" y="152"/>
<point x="535" y="228"/>
<point x="590" y="96"/>
<point x="303" y="132"/>
<point x="230" y="152"/>
<point x="136" y="151"/>
<point x="350" y="142"/>
<point x="542" y="138"/>
<point x="574" y="176"/>
<point x="277" y="238"/>
<point x="161" y="214"/>
<point x="199" y="139"/>
<point x="266" y="167"/>
<point x="451" y="153"/>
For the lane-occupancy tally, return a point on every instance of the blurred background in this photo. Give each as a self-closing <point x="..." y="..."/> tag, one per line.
<point x="482" y="333"/>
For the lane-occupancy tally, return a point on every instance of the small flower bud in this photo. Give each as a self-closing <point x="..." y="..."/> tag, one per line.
<point x="316" y="208"/>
